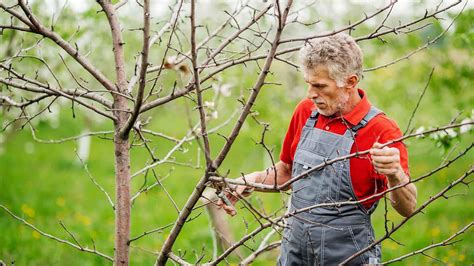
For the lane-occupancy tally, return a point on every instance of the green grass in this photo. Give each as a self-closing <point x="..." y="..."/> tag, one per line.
<point x="48" y="185"/>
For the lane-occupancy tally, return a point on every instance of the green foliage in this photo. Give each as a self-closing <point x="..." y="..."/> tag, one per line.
<point x="45" y="183"/>
<point x="464" y="33"/>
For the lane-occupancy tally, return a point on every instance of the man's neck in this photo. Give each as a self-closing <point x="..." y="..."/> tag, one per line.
<point x="354" y="99"/>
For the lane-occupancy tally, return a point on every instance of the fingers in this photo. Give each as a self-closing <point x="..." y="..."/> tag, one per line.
<point x="389" y="171"/>
<point x="381" y="166"/>
<point x="385" y="160"/>
<point x="229" y="209"/>
<point x="238" y="192"/>
<point x="228" y="199"/>
<point x="377" y="150"/>
<point x="377" y="145"/>
<point x="384" y="157"/>
<point x="233" y="196"/>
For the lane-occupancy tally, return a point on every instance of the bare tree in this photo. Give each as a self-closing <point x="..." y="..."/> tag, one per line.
<point x="257" y="33"/>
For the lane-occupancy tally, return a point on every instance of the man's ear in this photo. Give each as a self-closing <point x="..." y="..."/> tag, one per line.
<point x="352" y="81"/>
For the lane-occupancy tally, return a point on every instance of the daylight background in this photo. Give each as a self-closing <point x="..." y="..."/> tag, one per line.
<point x="47" y="183"/>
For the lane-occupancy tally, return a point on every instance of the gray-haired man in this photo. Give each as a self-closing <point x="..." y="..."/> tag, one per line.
<point x="336" y="119"/>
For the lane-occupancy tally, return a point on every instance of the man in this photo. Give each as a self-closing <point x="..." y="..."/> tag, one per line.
<point x="335" y="120"/>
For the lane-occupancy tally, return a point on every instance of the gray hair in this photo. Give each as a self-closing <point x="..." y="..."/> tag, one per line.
<point x="339" y="53"/>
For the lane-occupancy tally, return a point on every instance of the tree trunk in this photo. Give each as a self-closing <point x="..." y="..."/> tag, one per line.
<point x="122" y="188"/>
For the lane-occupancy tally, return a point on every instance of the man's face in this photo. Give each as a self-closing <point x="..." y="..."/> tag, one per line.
<point x="323" y="91"/>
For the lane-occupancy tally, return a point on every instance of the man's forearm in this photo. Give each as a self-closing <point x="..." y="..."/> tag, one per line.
<point x="272" y="176"/>
<point x="278" y="174"/>
<point x="403" y="199"/>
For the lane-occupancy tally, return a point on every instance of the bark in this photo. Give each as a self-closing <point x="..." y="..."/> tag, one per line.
<point x="121" y="141"/>
<point x="122" y="196"/>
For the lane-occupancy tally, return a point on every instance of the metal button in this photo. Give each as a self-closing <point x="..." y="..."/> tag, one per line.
<point x="327" y="127"/>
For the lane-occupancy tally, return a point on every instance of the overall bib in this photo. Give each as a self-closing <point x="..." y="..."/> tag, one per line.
<point x="329" y="235"/>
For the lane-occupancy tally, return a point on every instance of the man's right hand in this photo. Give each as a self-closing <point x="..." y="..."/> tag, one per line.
<point x="237" y="192"/>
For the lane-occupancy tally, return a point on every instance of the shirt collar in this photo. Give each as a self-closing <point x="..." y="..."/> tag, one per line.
<point x="360" y="110"/>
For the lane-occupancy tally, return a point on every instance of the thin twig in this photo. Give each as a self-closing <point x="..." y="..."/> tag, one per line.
<point x="87" y="250"/>
<point x="197" y="85"/>
<point x="159" y="229"/>
<point x="95" y="182"/>
<point x="143" y="67"/>
<point x="446" y="242"/>
<point x="418" y="102"/>
<point x="418" y="210"/>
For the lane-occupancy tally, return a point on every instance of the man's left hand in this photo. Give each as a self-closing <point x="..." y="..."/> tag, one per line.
<point x="386" y="161"/>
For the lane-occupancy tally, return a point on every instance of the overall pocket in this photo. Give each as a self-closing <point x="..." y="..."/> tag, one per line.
<point x="308" y="188"/>
<point x="339" y="242"/>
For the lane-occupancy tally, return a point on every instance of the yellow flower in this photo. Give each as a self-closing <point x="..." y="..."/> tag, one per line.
<point x="461" y="257"/>
<point x="28" y="210"/>
<point x="60" y="216"/>
<point x="85" y="220"/>
<point x="390" y="245"/>
<point x="36" y="235"/>
<point x="435" y="232"/>
<point x="453" y="226"/>
<point x="60" y="201"/>
<point x="452" y="252"/>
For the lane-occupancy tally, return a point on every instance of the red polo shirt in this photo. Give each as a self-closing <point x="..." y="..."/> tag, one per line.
<point x="382" y="129"/>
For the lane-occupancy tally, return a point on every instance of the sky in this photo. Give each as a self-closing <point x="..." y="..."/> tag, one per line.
<point x="160" y="8"/>
<point x="402" y="6"/>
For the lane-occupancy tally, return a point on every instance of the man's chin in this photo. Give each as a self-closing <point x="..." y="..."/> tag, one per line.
<point x="325" y="112"/>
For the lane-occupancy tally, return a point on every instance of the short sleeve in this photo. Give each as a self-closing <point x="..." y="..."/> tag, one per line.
<point x="285" y="155"/>
<point x="300" y="115"/>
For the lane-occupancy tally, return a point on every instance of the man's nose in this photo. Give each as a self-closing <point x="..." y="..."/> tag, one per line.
<point x="312" y="94"/>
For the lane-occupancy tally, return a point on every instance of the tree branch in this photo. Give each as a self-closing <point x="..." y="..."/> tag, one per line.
<point x="87" y="250"/>
<point x="366" y="17"/>
<point x="440" y="244"/>
<point x="407" y="56"/>
<point x="418" y="210"/>
<point x="398" y="28"/>
<point x="36" y="25"/>
<point x="143" y="67"/>
<point x="201" y="185"/>
<point x="202" y="114"/>
<point x="55" y="92"/>
<point x="418" y="102"/>
<point x="95" y="182"/>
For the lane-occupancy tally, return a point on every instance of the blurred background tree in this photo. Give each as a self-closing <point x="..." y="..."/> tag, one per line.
<point x="47" y="183"/>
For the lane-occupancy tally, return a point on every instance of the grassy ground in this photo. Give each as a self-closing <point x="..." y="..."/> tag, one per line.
<point x="45" y="184"/>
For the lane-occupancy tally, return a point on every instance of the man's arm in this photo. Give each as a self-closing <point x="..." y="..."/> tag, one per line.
<point x="387" y="161"/>
<point x="268" y="176"/>
<point x="281" y="173"/>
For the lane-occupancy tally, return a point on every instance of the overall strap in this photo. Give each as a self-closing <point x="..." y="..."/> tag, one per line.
<point x="373" y="111"/>
<point x="311" y="122"/>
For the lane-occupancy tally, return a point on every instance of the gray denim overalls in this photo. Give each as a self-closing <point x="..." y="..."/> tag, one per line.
<point x="329" y="235"/>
